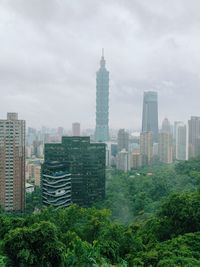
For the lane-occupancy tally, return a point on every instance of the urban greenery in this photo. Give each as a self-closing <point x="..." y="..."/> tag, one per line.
<point x="149" y="218"/>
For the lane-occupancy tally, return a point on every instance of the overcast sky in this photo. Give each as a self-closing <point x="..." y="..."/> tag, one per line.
<point x="50" y="52"/>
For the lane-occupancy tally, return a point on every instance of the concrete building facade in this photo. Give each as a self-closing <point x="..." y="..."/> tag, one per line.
<point x="122" y="140"/>
<point x="165" y="147"/>
<point x="194" y="137"/>
<point x="12" y="163"/>
<point x="146" y="147"/>
<point x="181" y="141"/>
<point x="123" y="160"/>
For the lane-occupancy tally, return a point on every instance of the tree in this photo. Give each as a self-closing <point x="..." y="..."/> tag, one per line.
<point x="179" y="251"/>
<point x="180" y="214"/>
<point x="37" y="245"/>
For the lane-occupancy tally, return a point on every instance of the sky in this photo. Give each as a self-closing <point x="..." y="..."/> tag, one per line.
<point x="50" y="52"/>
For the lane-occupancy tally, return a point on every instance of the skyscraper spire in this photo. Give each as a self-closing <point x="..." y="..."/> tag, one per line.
<point x="102" y="62"/>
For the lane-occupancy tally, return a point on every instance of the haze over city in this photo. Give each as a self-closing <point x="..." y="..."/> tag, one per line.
<point x="99" y="133"/>
<point x="50" y="52"/>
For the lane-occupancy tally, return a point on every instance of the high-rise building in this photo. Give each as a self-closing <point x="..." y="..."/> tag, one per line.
<point x="165" y="147"/>
<point x="86" y="164"/>
<point x="174" y="138"/>
<point x="76" y="129"/>
<point x="174" y="129"/>
<point x="150" y="114"/>
<point x="181" y="141"/>
<point x="155" y="150"/>
<point x="102" y="103"/>
<point x="123" y="160"/>
<point x="166" y="127"/>
<point x="146" y="147"/>
<point x="135" y="160"/>
<point x="12" y="163"/>
<point x="194" y="137"/>
<point x="122" y="140"/>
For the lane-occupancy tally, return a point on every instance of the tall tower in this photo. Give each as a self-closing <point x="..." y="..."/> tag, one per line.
<point x="102" y="102"/>
<point x="181" y="141"/>
<point x="122" y="140"/>
<point x="166" y="127"/>
<point x="194" y="137"/>
<point x="12" y="163"/>
<point x="150" y="114"/>
<point x="165" y="147"/>
<point x="146" y="147"/>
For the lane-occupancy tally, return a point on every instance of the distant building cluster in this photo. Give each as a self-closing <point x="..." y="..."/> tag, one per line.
<point x="172" y="142"/>
<point x="70" y="165"/>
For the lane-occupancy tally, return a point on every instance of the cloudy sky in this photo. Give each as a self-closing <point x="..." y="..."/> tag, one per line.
<point x="50" y="52"/>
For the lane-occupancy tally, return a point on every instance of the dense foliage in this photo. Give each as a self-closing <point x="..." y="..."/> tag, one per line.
<point x="151" y="218"/>
<point x="136" y="195"/>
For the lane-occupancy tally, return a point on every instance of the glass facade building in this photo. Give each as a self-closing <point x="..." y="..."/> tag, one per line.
<point x="150" y="114"/>
<point x="102" y="103"/>
<point x="86" y="165"/>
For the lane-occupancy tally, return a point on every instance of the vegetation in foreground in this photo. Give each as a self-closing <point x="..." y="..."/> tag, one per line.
<point x="155" y="221"/>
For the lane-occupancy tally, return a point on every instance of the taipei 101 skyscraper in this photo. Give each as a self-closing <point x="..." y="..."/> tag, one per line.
<point x="102" y="102"/>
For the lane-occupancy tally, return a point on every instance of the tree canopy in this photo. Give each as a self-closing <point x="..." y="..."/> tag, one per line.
<point x="149" y="218"/>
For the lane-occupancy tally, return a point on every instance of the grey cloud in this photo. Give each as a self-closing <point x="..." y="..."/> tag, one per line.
<point x="50" y="51"/>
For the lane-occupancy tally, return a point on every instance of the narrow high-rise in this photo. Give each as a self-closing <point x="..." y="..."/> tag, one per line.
<point x="166" y="127"/>
<point x="146" y="147"/>
<point x="123" y="160"/>
<point x="12" y="163"/>
<point x="194" y="137"/>
<point x="165" y="147"/>
<point x="150" y="114"/>
<point x="102" y="103"/>
<point x="122" y="140"/>
<point x="181" y="141"/>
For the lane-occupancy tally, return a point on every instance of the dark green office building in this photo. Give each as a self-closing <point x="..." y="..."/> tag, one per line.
<point x="86" y="164"/>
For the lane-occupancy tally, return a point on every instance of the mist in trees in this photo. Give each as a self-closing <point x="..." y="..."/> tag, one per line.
<point x="149" y="218"/>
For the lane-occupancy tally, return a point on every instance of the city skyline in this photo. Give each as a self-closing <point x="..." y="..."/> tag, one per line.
<point x="54" y="64"/>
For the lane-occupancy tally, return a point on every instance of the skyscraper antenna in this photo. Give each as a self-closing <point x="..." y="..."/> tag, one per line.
<point x="102" y="52"/>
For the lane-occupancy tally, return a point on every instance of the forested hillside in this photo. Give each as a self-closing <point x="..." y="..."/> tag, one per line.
<point x="132" y="195"/>
<point x="149" y="218"/>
